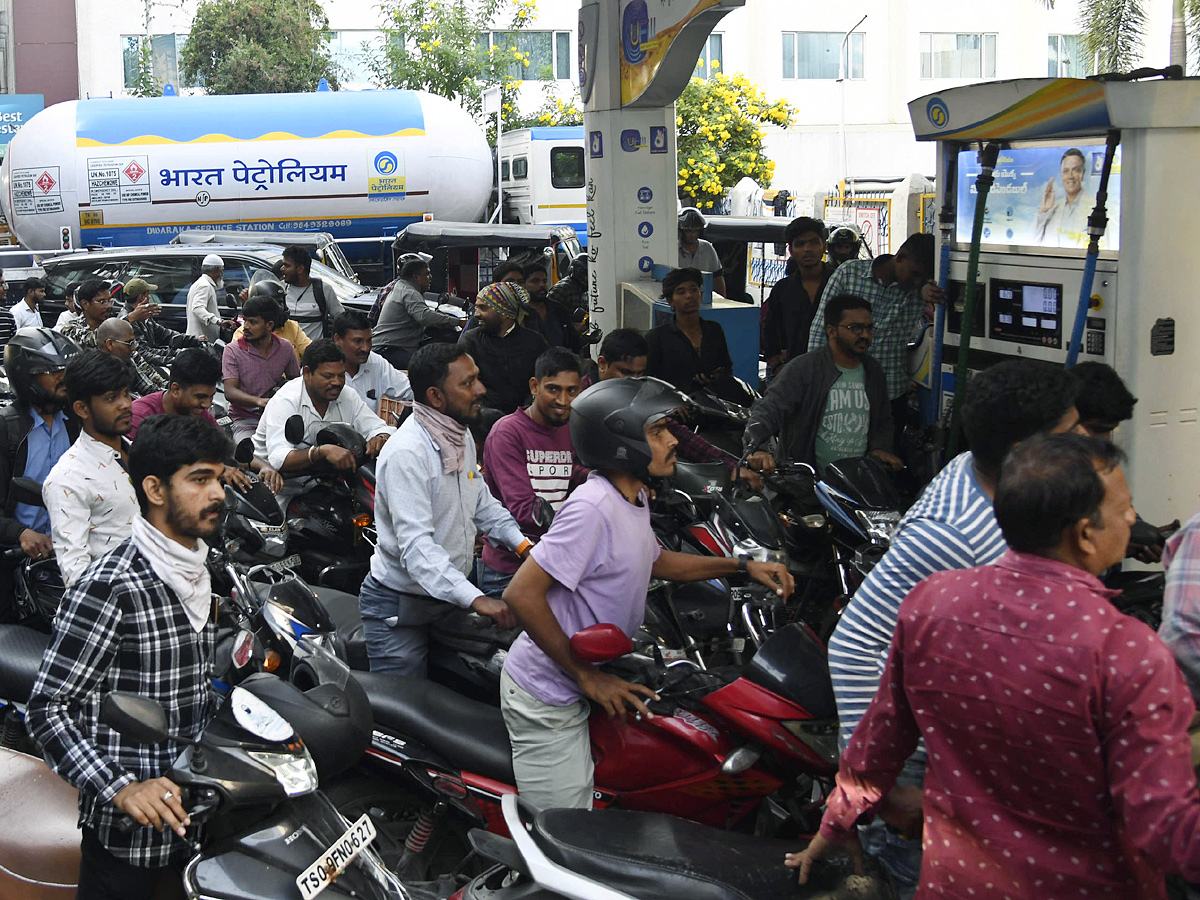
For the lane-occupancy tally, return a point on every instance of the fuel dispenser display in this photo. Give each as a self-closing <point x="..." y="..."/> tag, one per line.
<point x="1033" y="266"/>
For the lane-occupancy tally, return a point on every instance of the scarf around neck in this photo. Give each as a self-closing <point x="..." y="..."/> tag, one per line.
<point x="449" y="436"/>
<point x="180" y="569"/>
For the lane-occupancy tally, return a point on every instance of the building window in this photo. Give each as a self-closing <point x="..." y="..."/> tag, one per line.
<point x="946" y="55"/>
<point x="166" y="50"/>
<point x="348" y="53"/>
<point x="712" y="57"/>
<point x="814" y="54"/>
<point x="549" y="53"/>
<point x="1067" y="58"/>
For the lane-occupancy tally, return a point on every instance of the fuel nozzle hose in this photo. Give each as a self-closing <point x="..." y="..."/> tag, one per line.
<point x="983" y="185"/>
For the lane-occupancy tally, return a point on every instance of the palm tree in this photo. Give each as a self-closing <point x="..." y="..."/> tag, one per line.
<point x="1112" y="31"/>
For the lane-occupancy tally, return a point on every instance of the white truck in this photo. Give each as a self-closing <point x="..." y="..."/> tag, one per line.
<point x="543" y="177"/>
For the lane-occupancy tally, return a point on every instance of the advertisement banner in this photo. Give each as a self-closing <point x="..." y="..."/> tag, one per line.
<point x="1042" y="197"/>
<point x="15" y="111"/>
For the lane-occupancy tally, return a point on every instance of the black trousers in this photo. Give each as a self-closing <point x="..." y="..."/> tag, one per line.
<point x="103" y="876"/>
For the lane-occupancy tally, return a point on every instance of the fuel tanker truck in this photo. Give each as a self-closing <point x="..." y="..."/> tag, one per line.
<point x="130" y="172"/>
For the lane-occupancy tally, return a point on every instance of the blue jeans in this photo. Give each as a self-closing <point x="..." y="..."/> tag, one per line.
<point x="490" y="581"/>
<point x="396" y="627"/>
<point x="900" y="856"/>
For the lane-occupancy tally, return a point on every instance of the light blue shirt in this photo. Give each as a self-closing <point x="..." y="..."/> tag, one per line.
<point x="44" y="444"/>
<point x="427" y="520"/>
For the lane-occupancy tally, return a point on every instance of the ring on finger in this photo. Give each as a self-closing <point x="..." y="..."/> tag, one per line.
<point x="167" y="796"/>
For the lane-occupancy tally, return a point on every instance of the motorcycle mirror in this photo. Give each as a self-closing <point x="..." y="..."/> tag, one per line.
<point x="140" y="719"/>
<point x="243" y="649"/>
<point x="600" y="643"/>
<point x="244" y="452"/>
<point x="293" y="430"/>
<point x="26" y="490"/>
<point x="756" y="434"/>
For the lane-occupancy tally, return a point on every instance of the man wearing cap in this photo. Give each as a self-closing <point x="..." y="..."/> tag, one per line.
<point x="25" y="311"/>
<point x="505" y="351"/>
<point x="203" y="313"/>
<point x="156" y="341"/>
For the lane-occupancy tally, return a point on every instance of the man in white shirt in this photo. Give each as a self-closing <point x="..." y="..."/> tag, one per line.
<point x="25" y="311"/>
<point x="203" y="311"/>
<point x="371" y="376"/>
<point x="1063" y="222"/>
<point x="311" y="303"/>
<point x="319" y="397"/>
<point x="88" y="493"/>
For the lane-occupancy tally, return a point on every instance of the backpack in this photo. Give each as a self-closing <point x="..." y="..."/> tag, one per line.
<point x="380" y="299"/>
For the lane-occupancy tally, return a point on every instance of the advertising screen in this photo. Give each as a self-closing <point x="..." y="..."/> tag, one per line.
<point x="1042" y="197"/>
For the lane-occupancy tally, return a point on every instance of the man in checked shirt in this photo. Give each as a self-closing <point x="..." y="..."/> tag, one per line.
<point x="140" y="620"/>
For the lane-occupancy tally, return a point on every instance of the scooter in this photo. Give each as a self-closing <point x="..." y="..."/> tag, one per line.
<point x="756" y="751"/>
<point x="250" y="778"/>
<point x="618" y="855"/>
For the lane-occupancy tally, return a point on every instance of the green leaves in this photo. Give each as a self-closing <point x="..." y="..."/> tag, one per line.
<point x="258" y="46"/>
<point x="1112" y="32"/>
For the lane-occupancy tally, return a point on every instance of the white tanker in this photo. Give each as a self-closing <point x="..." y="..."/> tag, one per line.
<point x="135" y="171"/>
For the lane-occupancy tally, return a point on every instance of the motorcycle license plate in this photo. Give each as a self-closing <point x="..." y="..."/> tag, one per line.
<point x="333" y="862"/>
<point x="287" y="563"/>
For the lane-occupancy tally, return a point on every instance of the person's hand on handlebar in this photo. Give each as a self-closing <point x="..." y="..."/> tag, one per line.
<point x="751" y="478"/>
<point x="375" y="444"/>
<point x="155" y="802"/>
<point x="338" y="457"/>
<point x="774" y="575"/>
<point x="36" y="545"/>
<point x="761" y="461"/>
<point x="272" y="479"/>
<point x="888" y="459"/>
<point x="496" y="610"/>
<point x="236" y="478"/>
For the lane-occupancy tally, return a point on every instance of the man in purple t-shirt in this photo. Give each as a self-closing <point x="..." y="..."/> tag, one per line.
<point x="256" y="364"/>
<point x="194" y="375"/>
<point x="528" y="463"/>
<point x="594" y="565"/>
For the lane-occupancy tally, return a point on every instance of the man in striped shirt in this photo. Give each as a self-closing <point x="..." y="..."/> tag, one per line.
<point x="951" y="526"/>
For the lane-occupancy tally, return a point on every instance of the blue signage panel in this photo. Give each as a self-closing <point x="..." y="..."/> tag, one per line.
<point x="15" y="111"/>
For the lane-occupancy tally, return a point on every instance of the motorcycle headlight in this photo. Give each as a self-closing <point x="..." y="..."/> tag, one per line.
<point x="879" y="524"/>
<point x="296" y="773"/>
<point x="752" y="549"/>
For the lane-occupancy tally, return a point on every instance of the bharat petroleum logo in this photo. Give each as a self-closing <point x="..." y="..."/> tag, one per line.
<point x="385" y="163"/>
<point x="938" y="112"/>
<point x="635" y="31"/>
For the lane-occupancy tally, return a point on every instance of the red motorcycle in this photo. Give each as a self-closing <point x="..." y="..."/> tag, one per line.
<point x="750" y="750"/>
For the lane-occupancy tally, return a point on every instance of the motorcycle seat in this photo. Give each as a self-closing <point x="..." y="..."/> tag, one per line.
<point x="467" y="733"/>
<point x="39" y="837"/>
<point x="21" y="651"/>
<point x="662" y="857"/>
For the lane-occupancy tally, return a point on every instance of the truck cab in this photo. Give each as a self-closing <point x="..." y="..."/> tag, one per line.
<point x="542" y="177"/>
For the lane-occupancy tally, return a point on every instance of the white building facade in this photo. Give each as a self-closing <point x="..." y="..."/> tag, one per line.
<point x="902" y="50"/>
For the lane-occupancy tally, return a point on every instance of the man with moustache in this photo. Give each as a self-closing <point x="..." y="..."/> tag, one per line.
<point x="88" y="492"/>
<point x="430" y="500"/>
<point x="140" y="621"/>
<point x="504" y="350"/>
<point x="528" y="462"/>
<point x="550" y="318"/>
<point x="831" y="403"/>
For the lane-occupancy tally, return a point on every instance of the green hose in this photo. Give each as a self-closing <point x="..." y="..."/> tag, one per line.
<point x="983" y="183"/>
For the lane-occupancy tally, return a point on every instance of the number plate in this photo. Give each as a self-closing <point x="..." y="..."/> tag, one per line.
<point x="287" y="563"/>
<point x="333" y="862"/>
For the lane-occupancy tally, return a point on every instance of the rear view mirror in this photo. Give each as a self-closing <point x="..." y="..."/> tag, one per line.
<point x="244" y="452"/>
<point x="140" y="719"/>
<point x="600" y="643"/>
<point x="293" y="430"/>
<point x="543" y="514"/>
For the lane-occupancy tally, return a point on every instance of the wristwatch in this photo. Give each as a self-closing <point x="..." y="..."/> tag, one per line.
<point x="743" y="564"/>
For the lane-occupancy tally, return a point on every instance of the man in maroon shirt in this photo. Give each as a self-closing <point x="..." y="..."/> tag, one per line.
<point x="1059" y="762"/>
<point x="528" y="461"/>
<point x="255" y="365"/>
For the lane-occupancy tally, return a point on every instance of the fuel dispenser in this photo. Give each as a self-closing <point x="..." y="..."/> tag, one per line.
<point x="1050" y="141"/>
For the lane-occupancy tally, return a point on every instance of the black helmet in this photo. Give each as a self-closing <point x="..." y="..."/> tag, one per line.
<point x="691" y="219"/>
<point x="609" y="419"/>
<point x="264" y="284"/>
<point x="32" y="352"/>
<point x="579" y="267"/>
<point x="844" y="242"/>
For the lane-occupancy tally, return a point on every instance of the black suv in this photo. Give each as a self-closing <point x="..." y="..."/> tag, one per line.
<point x="174" y="267"/>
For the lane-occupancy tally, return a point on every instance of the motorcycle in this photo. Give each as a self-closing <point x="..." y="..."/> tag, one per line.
<point x="619" y="855"/>
<point x="755" y="751"/>
<point x="251" y="778"/>
<point x="332" y="523"/>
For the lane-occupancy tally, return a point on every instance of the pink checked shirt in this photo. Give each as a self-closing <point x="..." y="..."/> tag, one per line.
<point x="1059" y="765"/>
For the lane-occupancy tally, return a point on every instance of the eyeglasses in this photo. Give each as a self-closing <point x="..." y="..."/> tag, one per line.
<point x="132" y="343"/>
<point x="859" y="328"/>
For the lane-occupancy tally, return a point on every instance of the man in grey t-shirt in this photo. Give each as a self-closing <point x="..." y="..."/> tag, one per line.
<point x="697" y="253"/>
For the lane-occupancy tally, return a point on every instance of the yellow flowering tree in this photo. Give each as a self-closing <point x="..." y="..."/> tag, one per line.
<point x="443" y="46"/>
<point x="721" y="125"/>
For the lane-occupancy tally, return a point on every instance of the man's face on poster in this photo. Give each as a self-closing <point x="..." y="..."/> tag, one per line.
<point x="1072" y="176"/>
